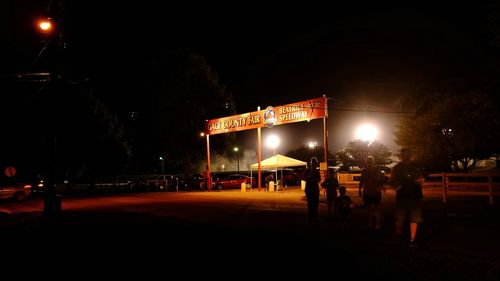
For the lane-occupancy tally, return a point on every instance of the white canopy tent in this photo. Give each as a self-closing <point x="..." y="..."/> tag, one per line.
<point x="276" y="162"/>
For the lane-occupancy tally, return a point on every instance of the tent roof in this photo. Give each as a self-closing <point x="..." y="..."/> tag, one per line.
<point x="278" y="161"/>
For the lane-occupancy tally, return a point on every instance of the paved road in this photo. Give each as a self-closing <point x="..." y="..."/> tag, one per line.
<point x="261" y="230"/>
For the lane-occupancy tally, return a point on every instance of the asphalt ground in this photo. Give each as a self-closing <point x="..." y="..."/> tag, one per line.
<point x="254" y="233"/>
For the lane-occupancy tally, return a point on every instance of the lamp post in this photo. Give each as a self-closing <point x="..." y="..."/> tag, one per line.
<point x="45" y="28"/>
<point x="273" y="141"/>
<point x="238" y="157"/>
<point x="162" y="165"/>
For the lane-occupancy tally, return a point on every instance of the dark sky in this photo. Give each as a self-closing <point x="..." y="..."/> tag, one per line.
<point x="363" y="57"/>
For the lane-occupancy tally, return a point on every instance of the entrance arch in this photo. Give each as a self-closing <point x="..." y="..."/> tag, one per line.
<point x="271" y="116"/>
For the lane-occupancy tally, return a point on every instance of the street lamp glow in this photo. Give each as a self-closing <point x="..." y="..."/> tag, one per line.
<point x="312" y="144"/>
<point x="162" y="165"/>
<point x="202" y="134"/>
<point x="45" y="25"/>
<point x="238" y="156"/>
<point x="366" y="132"/>
<point x="273" y="141"/>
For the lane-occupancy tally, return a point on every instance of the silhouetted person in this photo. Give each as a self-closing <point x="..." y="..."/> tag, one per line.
<point x="205" y="178"/>
<point x="370" y="189"/>
<point x="312" y="178"/>
<point x="269" y="178"/>
<point x="330" y="184"/>
<point x="406" y="179"/>
<point x="343" y="205"/>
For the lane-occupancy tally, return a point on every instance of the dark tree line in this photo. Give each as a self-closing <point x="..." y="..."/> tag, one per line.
<point x="63" y="125"/>
<point x="457" y="115"/>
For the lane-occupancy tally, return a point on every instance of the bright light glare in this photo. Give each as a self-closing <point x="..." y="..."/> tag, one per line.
<point x="312" y="144"/>
<point x="45" y="25"/>
<point x="366" y="132"/>
<point x="273" y="141"/>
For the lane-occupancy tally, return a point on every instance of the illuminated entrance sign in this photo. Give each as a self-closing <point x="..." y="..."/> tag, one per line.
<point x="235" y="123"/>
<point x="271" y="116"/>
<point x="301" y="111"/>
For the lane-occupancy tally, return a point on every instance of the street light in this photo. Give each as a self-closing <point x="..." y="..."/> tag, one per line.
<point x="51" y="202"/>
<point x="273" y="141"/>
<point x="312" y="144"/>
<point x="366" y="132"/>
<point x="238" y="156"/>
<point x="45" y="26"/>
<point x="162" y="166"/>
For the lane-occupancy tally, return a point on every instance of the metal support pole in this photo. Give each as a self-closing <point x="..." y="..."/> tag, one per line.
<point x="259" y="143"/>
<point x="209" y="179"/>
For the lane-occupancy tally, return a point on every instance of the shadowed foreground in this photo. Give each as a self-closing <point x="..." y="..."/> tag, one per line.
<point x="218" y="234"/>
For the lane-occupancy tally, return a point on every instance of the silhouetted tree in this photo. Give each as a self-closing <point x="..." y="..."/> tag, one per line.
<point x="452" y="130"/>
<point x="356" y="152"/>
<point x="185" y="92"/>
<point x="304" y="153"/>
<point x="61" y="126"/>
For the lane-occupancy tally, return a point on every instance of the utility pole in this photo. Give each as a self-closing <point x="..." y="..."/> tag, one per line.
<point x="50" y="32"/>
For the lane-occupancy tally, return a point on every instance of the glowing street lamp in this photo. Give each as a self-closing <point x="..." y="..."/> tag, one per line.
<point x="273" y="141"/>
<point x="45" y="26"/>
<point x="162" y="166"/>
<point x="238" y="156"/>
<point x="312" y="144"/>
<point x="366" y="132"/>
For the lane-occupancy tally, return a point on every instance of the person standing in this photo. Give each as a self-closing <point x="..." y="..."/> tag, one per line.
<point x="312" y="178"/>
<point x="407" y="180"/>
<point x="330" y="184"/>
<point x="343" y="205"/>
<point x="370" y="189"/>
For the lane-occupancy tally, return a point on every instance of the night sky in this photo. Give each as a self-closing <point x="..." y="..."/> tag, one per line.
<point x="366" y="58"/>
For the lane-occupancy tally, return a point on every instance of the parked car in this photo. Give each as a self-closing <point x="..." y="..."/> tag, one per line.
<point x="191" y="182"/>
<point x="234" y="181"/>
<point x="11" y="189"/>
<point x="162" y="183"/>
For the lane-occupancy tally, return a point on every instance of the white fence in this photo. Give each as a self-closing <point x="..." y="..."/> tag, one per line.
<point x="480" y="183"/>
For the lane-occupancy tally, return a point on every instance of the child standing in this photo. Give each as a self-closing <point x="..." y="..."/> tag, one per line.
<point x="331" y="184"/>
<point x="343" y="206"/>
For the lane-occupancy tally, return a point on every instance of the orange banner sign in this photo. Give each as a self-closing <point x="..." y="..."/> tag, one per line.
<point x="271" y="116"/>
<point x="301" y="111"/>
<point x="235" y="123"/>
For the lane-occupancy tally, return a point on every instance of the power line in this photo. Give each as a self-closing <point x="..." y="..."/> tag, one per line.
<point x="371" y="110"/>
<point x="367" y="110"/>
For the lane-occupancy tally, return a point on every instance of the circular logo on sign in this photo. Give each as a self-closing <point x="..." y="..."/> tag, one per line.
<point x="10" y="172"/>
<point x="269" y="117"/>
